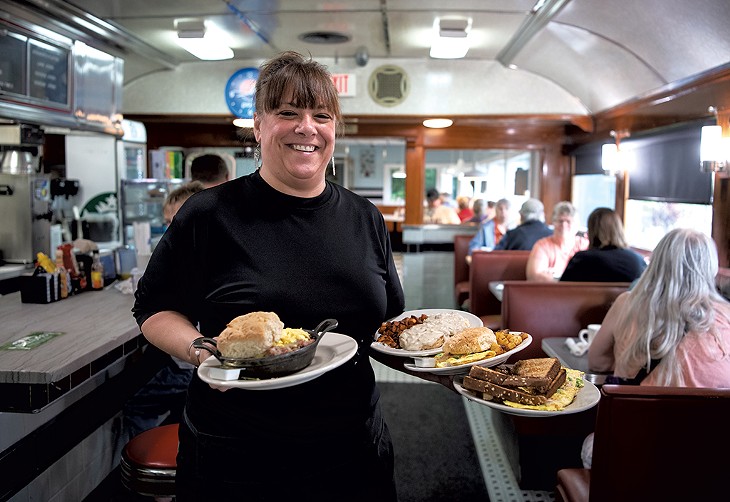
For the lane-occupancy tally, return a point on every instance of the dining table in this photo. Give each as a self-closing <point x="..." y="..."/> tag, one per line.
<point x="497" y="288"/>
<point x="556" y="347"/>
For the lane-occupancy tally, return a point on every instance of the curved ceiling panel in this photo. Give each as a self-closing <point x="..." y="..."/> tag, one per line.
<point x="677" y="38"/>
<point x="599" y="73"/>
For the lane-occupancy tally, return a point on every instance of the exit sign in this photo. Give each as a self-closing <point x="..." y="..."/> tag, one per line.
<point x="344" y="83"/>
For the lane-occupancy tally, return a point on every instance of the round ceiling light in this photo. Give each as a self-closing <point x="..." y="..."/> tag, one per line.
<point x="437" y="123"/>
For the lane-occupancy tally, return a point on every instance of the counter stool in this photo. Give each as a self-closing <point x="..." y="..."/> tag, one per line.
<point x="149" y="463"/>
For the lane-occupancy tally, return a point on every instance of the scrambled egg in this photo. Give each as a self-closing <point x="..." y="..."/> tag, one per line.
<point x="456" y="360"/>
<point x="562" y="397"/>
<point x="292" y="335"/>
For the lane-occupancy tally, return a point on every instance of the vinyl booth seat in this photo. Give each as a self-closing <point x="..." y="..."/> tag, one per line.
<point x="490" y="266"/>
<point x="654" y="443"/>
<point x="461" y="269"/>
<point x="555" y="309"/>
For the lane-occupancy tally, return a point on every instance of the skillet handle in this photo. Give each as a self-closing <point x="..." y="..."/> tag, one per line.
<point x="324" y="327"/>
<point x="205" y="343"/>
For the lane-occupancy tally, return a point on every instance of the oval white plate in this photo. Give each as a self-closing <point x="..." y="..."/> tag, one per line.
<point x="474" y="322"/>
<point x="333" y="350"/>
<point x="464" y="368"/>
<point x="586" y="398"/>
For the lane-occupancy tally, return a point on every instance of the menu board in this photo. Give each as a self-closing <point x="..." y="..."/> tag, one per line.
<point x="48" y="72"/>
<point x="12" y="63"/>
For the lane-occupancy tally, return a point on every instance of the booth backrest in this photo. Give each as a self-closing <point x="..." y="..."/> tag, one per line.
<point x="488" y="266"/>
<point x="461" y="269"/>
<point x="549" y="309"/>
<point x="654" y="443"/>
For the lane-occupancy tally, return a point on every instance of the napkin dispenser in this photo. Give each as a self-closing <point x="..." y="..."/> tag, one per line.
<point x="40" y="288"/>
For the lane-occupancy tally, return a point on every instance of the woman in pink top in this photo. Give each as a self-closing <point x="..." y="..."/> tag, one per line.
<point x="550" y="255"/>
<point x="673" y="324"/>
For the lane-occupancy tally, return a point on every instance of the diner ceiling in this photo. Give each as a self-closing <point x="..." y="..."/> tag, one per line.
<point x="603" y="52"/>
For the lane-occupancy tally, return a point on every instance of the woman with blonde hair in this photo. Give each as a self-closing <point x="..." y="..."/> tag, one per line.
<point x="673" y="327"/>
<point x="608" y="259"/>
<point x="550" y="255"/>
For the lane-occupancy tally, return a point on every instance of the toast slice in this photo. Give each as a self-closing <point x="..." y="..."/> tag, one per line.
<point x="543" y="367"/>
<point x="557" y="382"/>
<point x="493" y="391"/>
<point x="495" y="375"/>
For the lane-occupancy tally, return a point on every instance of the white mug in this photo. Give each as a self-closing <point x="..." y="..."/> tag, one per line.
<point x="587" y="335"/>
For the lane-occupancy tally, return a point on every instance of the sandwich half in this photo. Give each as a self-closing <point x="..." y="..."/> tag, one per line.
<point x="467" y="346"/>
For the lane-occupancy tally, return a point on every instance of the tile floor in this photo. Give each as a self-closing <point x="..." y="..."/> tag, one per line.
<point x="427" y="280"/>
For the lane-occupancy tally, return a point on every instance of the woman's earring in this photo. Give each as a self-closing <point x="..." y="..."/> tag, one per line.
<point x="334" y="171"/>
<point x="257" y="156"/>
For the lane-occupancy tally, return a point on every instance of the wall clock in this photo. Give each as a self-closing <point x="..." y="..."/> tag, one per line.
<point x="239" y="92"/>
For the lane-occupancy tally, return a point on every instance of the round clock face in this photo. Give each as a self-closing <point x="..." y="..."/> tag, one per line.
<point x="239" y="92"/>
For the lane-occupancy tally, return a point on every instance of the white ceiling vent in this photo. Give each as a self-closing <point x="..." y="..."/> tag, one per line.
<point x="388" y="85"/>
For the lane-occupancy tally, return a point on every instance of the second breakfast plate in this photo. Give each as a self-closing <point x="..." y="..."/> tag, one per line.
<point x="464" y="368"/>
<point x="473" y="320"/>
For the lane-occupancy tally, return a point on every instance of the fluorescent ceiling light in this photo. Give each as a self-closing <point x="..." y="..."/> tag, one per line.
<point x="201" y="43"/>
<point x="451" y="38"/>
<point x="437" y="123"/>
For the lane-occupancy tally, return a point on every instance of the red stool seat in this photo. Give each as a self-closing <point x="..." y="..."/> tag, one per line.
<point x="149" y="463"/>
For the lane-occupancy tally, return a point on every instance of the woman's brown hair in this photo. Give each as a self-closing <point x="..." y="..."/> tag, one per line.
<point x="605" y="229"/>
<point x="309" y="82"/>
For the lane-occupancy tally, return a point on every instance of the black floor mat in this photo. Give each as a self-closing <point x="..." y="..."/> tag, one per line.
<point x="435" y="458"/>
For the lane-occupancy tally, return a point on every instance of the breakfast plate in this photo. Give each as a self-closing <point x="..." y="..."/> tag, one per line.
<point x="333" y="350"/>
<point x="464" y="368"/>
<point x="586" y="399"/>
<point x="473" y="320"/>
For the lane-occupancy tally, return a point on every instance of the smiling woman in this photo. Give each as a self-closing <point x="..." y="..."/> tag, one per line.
<point x="281" y="240"/>
<point x="295" y="124"/>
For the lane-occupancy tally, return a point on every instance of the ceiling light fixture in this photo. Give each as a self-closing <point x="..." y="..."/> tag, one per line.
<point x="612" y="160"/>
<point x="243" y="123"/>
<point x="437" y="123"/>
<point x="451" y="38"/>
<point x="201" y="43"/>
<point x="714" y="147"/>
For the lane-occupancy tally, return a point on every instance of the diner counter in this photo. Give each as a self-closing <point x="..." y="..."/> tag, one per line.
<point x="98" y="330"/>
<point x="10" y="271"/>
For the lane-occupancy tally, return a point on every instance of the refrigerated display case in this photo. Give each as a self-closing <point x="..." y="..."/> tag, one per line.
<point x="142" y="201"/>
<point x="132" y="151"/>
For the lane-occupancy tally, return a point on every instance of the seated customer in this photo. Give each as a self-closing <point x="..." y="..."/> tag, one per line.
<point x="491" y="232"/>
<point x="551" y="254"/>
<point x="465" y="211"/>
<point x="531" y="229"/>
<point x="162" y="398"/>
<point x="176" y="198"/>
<point x="673" y="324"/>
<point x="673" y="328"/>
<point x="437" y="212"/>
<point x="608" y="259"/>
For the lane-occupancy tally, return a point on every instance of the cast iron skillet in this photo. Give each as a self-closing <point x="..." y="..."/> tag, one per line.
<point x="271" y="366"/>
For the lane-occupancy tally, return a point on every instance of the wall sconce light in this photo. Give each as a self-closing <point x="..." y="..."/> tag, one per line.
<point x="715" y="144"/>
<point x="451" y="38"/>
<point x="194" y="38"/>
<point x="612" y="160"/>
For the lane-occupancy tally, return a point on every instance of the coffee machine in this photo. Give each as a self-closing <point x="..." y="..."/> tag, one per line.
<point x="25" y="194"/>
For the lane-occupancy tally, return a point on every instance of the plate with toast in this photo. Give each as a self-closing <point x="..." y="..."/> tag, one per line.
<point x="538" y="387"/>
<point x="432" y="327"/>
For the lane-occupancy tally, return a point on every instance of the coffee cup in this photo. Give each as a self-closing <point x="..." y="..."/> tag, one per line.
<point x="587" y="335"/>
